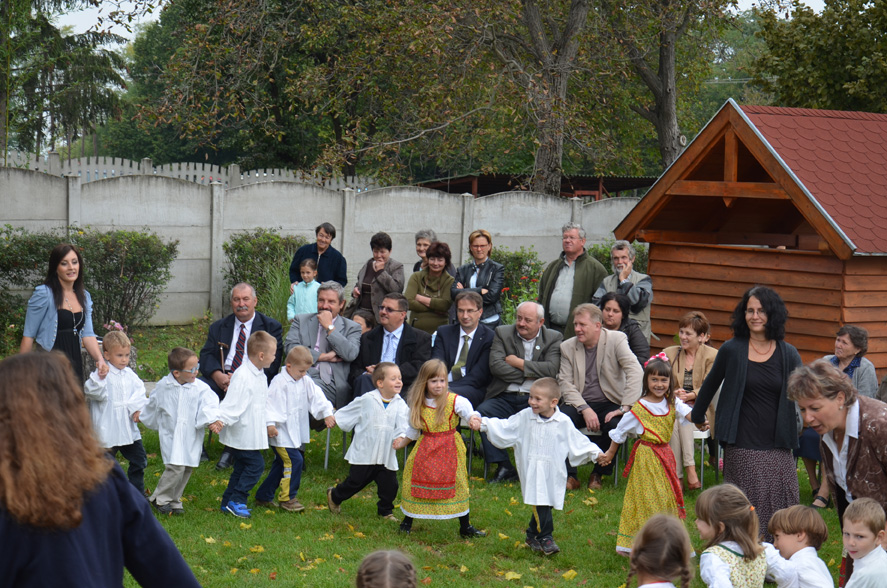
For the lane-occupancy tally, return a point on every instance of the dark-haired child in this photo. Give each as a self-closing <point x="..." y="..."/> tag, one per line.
<point x="798" y="532"/>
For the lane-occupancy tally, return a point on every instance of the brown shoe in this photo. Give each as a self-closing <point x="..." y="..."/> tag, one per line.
<point x="292" y="505"/>
<point x="266" y="503"/>
<point x="334" y="508"/>
<point x="573" y="483"/>
<point x="594" y="482"/>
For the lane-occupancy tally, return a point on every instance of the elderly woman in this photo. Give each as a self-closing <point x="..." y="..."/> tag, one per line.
<point x="853" y="429"/>
<point x="331" y="265"/>
<point x="424" y="238"/>
<point x="615" y="310"/>
<point x="68" y="515"/>
<point x="755" y="421"/>
<point x="428" y="291"/>
<point x="380" y="276"/>
<point x="60" y="312"/>
<point x="482" y="275"/>
<point x="691" y="362"/>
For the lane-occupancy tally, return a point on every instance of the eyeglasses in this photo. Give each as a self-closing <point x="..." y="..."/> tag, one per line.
<point x="383" y="308"/>
<point x="193" y="370"/>
<point x="755" y="311"/>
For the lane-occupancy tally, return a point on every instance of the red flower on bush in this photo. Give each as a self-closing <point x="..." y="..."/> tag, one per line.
<point x="505" y="289"/>
<point x="523" y="277"/>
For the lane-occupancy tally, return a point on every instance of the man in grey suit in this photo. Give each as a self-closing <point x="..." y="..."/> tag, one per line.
<point x="521" y="353"/>
<point x="334" y="342"/>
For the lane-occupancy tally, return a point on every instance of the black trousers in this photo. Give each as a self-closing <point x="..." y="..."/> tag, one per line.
<point x="360" y="476"/>
<point x="600" y="409"/>
<point x="541" y="523"/>
<point x="138" y="461"/>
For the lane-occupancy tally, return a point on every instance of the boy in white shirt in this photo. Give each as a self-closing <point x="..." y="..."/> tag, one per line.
<point x="244" y="417"/>
<point x="377" y="419"/>
<point x="179" y="408"/>
<point x="543" y="438"/>
<point x="115" y="401"/>
<point x="798" y="533"/>
<point x="864" y="535"/>
<point x="292" y="395"/>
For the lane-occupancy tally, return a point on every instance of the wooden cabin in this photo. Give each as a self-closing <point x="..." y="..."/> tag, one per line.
<point x="791" y="198"/>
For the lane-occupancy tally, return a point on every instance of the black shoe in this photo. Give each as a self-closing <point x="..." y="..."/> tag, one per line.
<point x="405" y="529"/>
<point x="225" y="461"/>
<point x="505" y="473"/>
<point x="533" y="544"/>
<point x="204" y="456"/>
<point x="549" y="547"/>
<point x="470" y="531"/>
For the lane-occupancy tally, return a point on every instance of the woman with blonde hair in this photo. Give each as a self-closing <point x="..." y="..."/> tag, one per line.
<point x="482" y="275"/>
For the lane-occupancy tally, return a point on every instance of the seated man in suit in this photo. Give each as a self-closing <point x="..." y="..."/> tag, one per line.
<point x="225" y="347"/>
<point x="465" y="349"/>
<point x="600" y="380"/>
<point x="521" y="353"/>
<point x="333" y="340"/>
<point x="393" y="341"/>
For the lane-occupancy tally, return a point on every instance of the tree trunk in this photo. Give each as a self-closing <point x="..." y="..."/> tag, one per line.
<point x="667" y="130"/>
<point x="549" y="99"/>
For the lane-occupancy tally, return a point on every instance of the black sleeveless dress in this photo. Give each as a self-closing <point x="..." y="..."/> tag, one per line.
<point x="67" y="338"/>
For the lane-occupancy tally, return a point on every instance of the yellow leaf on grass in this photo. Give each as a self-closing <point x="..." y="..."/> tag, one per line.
<point x="569" y="574"/>
<point x="337" y="556"/>
<point x="534" y="569"/>
<point x="590" y="491"/>
<point x="257" y="549"/>
<point x="213" y="482"/>
<point x="326" y="537"/>
<point x="319" y="560"/>
<point x="831" y="563"/>
<point x="224" y="483"/>
<point x="233" y="570"/>
<point x="463" y="569"/>
<point x="227" y="544"/>
<point x="157" y="474"/>
<point x="519" y="544"/>
<point x="254" y="571"/>
<point x="508" y="512"/>
<point x="301" y="556"/>
<point x="503" y="536"/>
<point x="359" y="535"/>
<point x="209" y="540"/>
<point x="590" y="501"/>
<point x="513" y="501"/>
<point x="512" y="576"/>
<point x="351" y="527"/>
<point x="245" y="526"/>
<point x="269" y="511"/>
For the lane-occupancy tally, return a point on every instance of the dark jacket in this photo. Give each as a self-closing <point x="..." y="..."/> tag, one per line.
<point x="118" y="528"/>
<point x="545" y="364"/>
<point x="490" y="277"/>
<point x="222" y="331"/>
<point x="477" y="364"/>
<point x="730" y="368"/>
<point x="330" y="266"/>
<point x="589" y="275"/>
<point x="413" y="349"/>
<point x="637" y="341"/>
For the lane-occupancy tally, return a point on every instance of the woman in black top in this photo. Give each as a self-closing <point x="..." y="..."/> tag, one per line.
<point x="755" y="421"/>
<point x="482" y="275"/>
<point x="614" y="308"/>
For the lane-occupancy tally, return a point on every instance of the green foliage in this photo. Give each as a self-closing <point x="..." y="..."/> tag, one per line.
<point x="154" y="343"/>
<point x="12" y="322"/>
<point x="522" y="272"/>
<point x="23" y="257"/>
<point x="262" y="258"/>
<point x="601" y="252"/>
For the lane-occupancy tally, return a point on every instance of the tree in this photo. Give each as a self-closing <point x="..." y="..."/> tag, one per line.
<point x="833" y="60"/>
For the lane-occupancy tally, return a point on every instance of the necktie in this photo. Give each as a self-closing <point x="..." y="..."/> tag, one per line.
<point x="322" y="346"/>
<point x="238" y="350"/>
<point x="463" y="358"/>
<point x="388" y="350"/>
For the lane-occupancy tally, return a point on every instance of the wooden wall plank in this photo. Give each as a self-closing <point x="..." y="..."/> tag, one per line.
<point x="865" y="299"/>
<point x="736" y="290"/>
<point x="744" y="275"/>
<point x="748" y="257"/>
<point x="866" y="266"/>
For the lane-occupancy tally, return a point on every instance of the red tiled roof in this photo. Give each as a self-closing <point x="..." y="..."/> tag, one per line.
<point x="841" y="158"/>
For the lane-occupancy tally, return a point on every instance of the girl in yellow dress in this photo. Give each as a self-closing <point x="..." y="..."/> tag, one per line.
<point x="653" y="486"/>
<point x="435" y="479"/>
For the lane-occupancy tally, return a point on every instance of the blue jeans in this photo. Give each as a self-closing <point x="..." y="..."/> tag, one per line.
<point x="138" y="461"/>
<point x="248" y="467"/>
<point x="285" y="473"/>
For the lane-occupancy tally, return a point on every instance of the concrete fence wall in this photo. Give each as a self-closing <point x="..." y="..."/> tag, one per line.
<point x="203" y="216"/>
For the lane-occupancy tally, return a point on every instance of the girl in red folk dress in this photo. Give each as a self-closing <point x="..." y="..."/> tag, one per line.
<point x="653" y="486"/>
<point x="435" y="479"/>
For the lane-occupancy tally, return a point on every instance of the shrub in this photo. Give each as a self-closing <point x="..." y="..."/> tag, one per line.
<point x="24" y="255"/>
<point x="522" y="272"/>
<point x="262" y="258"/>
<point x="601" y="252"/>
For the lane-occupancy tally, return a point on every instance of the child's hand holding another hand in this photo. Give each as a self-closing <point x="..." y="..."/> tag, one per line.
<point x="216" y="427"/>
<point x="474" y="423"/>
<point x="400" y="443"/>
<point x="330" y="421"/>
<point x="135" y="416"/>
<point x="272" y="431"/>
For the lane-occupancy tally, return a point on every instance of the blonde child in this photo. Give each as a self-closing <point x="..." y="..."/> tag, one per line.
<point x="377" y="419"/>
<point x="244" y="415"/>
<point x="179" y="408"/>
<point x="653" y="486"/>
<point x="661" y="552"/>
<point x="543" y="439"/>
<point x="304" y="297"/>
<point x="386" y="569"/>
<point x="864" y="536"/>
<point x="798" y="532"/>
<point x="292" y="395"/>
<point x="733" y="557"/>
<point x="435" y="479"/>
<point x="115" y="401"/>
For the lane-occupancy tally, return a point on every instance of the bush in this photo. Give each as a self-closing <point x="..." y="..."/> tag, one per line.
<point x="522" y="272"/>
<point x="262" y="258"/>
<point x="601" y="252"/>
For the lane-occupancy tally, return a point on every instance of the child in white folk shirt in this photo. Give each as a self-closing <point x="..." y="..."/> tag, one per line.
<point x="180" y="407"/>
<point x="543" y="438"/>
<point x="377" y="419"/>
<point x="115" y="401"/>
<point x="293" y="395"/>
<point x="864" y="536"/>
<point x="798" y="532"/>
<point x="660" y="553"/>
<point x="244" y="415"/>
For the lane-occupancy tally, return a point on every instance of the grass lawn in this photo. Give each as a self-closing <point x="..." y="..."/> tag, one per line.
<point x="318" y="548"/>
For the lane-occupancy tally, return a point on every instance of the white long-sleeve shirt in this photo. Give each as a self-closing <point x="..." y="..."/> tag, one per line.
<point x="180" y="412"/>
<point x="293" y="400"/>
<point x="244" y="410"/>
<point x="375" y="425"/>
<point x="869" y="571"/>
<point x="540" y="448"/>
<point x="462" y="408"/>
<point x="803" y="569"/>
<point x="630" y="425"/>
<point x="112" y="402"/>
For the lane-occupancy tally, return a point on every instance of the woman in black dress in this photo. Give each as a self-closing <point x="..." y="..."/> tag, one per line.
<point x="60" y="312"/>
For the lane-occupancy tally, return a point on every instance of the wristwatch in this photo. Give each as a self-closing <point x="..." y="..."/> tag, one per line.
<point x="622" y="409"/>
<point x="329" y="329"/>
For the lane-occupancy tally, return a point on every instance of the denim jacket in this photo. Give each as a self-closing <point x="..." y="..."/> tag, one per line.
<point x="42" y="319"/>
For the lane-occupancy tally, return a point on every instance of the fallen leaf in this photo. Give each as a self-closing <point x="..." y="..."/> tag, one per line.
<point x="831" y="563"/>
<point x="209" y="540"/>
<point x="233" y="570"/>
<point x="519" y="544"/>
<point x="245" y="526"/>
<point x="427" y="567"/>
<point x="213" y="482"/>
<point x="508" y="512"/>
<point x="227" y="544"/>
<point x="503" y="536"/>
<point x="513" y="501"/>
<point x="463" y="569"/>
<point x="337" y="556"/>
<point x="326" y="537"/>
<point x="351" y="527"/>
<point x="359" y="535"/>
<point x="427" y="580"/>
<point x="590" y="501"/>
<point x="269" y="511"/>
<point x="569" y="574"/>
<point x="272" y="576"/>
<point x="512" y="576"/>
<point x="254" y="571"/>
<point x="257" y="549"/>
<point x="301" y="556"/>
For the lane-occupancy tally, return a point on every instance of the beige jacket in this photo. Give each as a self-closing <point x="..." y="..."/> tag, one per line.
<point x="705" y="357"/>
<point x="618" y="370"/>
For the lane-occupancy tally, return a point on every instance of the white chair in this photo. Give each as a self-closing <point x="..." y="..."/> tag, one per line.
<point x="702" y="436"/>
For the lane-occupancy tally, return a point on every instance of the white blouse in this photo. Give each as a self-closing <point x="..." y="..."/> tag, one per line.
<point x="293" y="400"/>
<point x="839" y="461"/>
<point x="630" y="425"/>
<point x="376" y="424"/>
<point x="804" y="569"/>
<point x="462" y="408"/>
<point x="112" y="401"/>
<point x="244" y="412"/>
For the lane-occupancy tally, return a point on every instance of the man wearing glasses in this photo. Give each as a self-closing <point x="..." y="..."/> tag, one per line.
<point x="393" y="340"/>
